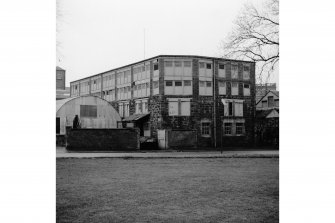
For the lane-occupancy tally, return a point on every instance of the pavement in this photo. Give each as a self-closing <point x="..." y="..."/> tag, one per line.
<point x="61" y="152"/>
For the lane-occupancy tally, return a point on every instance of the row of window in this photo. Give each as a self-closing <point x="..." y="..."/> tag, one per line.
<point x="141" y="107"/>
<point x="177" y="88"/>
<point x="230" y="128"/>
<point x="233" y="128"/>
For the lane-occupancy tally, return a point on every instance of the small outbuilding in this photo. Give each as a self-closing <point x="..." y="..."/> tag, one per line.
<point x="93" y="112"/>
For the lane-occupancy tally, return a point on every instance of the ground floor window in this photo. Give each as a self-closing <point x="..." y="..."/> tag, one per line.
<point x="234" y="127"/>
<point x="205" y="128"/>
<point x="239" y="128"/>
<point x="227" y="128"/>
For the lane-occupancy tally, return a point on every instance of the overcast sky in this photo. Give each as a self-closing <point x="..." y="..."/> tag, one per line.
<point x="96" y="36"/>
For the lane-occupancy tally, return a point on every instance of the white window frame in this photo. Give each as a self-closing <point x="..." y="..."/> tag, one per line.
<point x="205" y="121"/>
<point x="234" y="73"/>
<point x="236" y="88"/>
<point x="176" y="106"/>
<point x="246" y="91"/>
<point x="246" y="74"/>
<point x="205" y="90"/>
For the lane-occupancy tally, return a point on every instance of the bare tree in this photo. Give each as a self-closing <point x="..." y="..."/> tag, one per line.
<point x="256" y="37"/>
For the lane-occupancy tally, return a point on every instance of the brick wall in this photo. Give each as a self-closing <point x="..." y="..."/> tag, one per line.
<point x="103" y="139"/>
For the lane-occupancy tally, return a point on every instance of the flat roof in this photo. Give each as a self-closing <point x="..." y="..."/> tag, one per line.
<point x="151" y="58"/>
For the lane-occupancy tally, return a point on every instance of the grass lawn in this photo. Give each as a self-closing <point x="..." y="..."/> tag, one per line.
<point x="168" y="190"/>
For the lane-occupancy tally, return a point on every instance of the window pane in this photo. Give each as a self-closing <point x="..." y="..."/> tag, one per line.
<point x="88" y="111"/>
<point x="168" y="83"/>
<point x="227" y="128"/>
<point x="168" y="63"/>
<point x="246" y="68"/>
<point x="187" y="83"/>
<point x="202" y="83"/>
<point x="209" y="84"/>
<point x="177" y="63"/>
<point x="156" y="66"/>
<point x="187" y="63"/>
<point x="209" y="66"/>
<point x="239" y="128"/>
<point x="221" y="84"/>
<point x="246" y="86"/>
<point x="221" y="66"/>
<point x="230" y="108"/>
<point x="177" y="83"/>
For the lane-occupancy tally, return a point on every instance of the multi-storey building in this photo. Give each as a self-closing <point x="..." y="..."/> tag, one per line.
<point x="213" y="97"/>
<point x="60" y="78"/>
<point x="61" y="90"/>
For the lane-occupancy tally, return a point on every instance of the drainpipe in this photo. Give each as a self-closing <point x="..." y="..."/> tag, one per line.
<point x="214" y="100"/>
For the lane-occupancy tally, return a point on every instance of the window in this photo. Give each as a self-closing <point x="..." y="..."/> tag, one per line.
<point x="246" y="90"/>
<point x="145" y="106"/>
<point x="205" y="88"/>
<point x="234" y="71"/>
<point x="230" y="108"/>
<point x="121" y="112"/>
<point x="156" y="66"/>
<point x="177" y="88"/>
<point x="138" y="107"/>
<point x="234" y="127"/>
<point x="88" y="111"/>
<point x="187" y="83"/>
<point x="148" y="88"/>
<point x="222" y="71"/>
<point x="59" y="77"/>
<point x="209" y="66"/>
<point x="177" y="63"/>
<point x="126" y="110"/>
<point x="234" y="89"/>
<point x="264" y="104"/>
<point x="168" y="83"/>
<point x="187" y="63"/>
<point x="239" y="128"/>
<point x="227" y="128"/>
<point x="179" y="107"/>
<point x="222" y="88"/>
<point x="270" y="101"/>
<point x="168" y="63"/>
<point x="155" y="87"/>
<point x="155" y="84"/>
<point x="246" y="72"/>
<point x="205" y="128"/>
<point x="238" y="109"/>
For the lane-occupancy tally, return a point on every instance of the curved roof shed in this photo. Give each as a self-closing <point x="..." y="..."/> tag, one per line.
<point x="93" y="112"/>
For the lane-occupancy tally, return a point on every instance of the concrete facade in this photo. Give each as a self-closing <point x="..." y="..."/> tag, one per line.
<point x="214" y="97"/>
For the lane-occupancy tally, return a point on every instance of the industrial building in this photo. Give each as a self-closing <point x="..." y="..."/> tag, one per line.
<point x="209" y="99"/>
